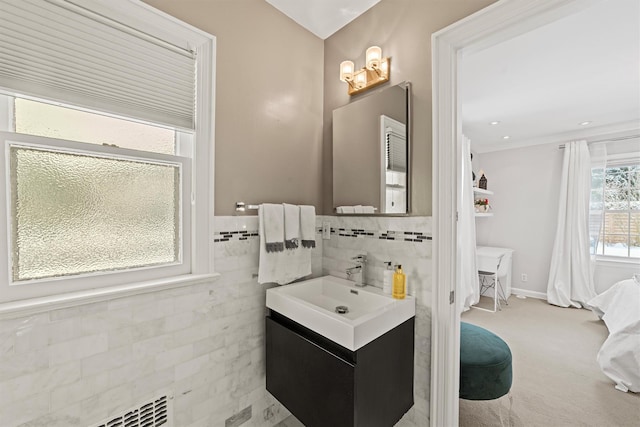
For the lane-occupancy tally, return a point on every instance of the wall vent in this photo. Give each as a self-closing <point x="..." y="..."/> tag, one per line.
<point x="153" y="413"/>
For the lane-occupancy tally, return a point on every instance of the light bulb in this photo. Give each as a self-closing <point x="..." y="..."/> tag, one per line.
<point x="373" y="57"/>
<point x="346" y="71"/>
<point x="361" y="79"/>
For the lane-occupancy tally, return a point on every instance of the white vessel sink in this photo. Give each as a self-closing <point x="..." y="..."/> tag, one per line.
<point x="312" y="303"/>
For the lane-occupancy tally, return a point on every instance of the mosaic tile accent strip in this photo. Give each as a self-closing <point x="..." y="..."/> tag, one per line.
<point x="240" y="235"/>
<point x="227" y="236"/>
<point x="407" y="236"/>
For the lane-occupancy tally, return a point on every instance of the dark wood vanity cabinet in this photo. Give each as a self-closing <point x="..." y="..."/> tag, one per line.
<point x="326" y="385"/>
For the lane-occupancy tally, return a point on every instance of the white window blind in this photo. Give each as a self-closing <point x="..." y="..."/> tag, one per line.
<point x="396" y="152"/>
<point x="57" y="50"/>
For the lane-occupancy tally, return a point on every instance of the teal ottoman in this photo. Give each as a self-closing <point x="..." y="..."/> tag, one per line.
<point x="485" y="364"/>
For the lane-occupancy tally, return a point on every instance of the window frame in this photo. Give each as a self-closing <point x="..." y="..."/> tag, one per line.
<point x="617" y="161"/>
<point x="200" y="266"/>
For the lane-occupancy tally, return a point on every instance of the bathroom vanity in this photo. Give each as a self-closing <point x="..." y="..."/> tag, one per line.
<point x="366" y="380"/>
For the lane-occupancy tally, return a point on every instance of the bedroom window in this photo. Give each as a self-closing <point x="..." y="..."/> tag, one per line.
<point x="615" y="206"/>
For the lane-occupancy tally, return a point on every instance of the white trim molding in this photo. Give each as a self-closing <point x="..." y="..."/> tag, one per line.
<point x="29" y="307"/>
<point x="527" y="293"/>
<point x="498" y="22"/>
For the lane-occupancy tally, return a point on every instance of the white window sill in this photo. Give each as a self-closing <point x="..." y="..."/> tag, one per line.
<point x="39" y="305"/>
<point x="613" y="261"/>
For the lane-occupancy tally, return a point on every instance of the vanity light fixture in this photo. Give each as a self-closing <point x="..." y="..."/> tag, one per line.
<point x="506" y="137"/>
<point x="375" y="72"/>
<point x="494" y="123"/>
<point x="585" y="123"/>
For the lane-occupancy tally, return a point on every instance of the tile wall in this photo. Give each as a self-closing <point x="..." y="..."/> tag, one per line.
<point x="405" y="241"/>
<point x="203" y="344"/>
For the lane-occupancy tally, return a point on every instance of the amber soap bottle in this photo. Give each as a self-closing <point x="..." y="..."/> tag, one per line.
<point x="399" y="283"/>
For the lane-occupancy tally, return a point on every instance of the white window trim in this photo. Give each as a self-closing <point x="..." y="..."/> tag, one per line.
<point x="202" y="197"/>
<point x="616" y="161"/>
<point x="615" y="260"/>
<point x="12" y="290"/>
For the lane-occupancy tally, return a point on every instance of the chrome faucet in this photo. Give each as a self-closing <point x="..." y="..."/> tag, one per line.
<point x="356" y="273"/>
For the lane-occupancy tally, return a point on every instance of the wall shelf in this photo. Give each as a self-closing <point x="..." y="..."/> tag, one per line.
<point x="481" y="192"/>
<point x="477" y="190"/>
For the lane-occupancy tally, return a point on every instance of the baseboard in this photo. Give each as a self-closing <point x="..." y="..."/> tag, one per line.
<point x="530" y="294"/>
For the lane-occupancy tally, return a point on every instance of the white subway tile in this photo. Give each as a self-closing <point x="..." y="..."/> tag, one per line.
<point x="173" y="357"/>
<point x="156" y="309"/>
<point x="152" y="384"/>
<point x="78" y="391"/>
<point x="132" y="371"/>
<point x="191" y="367"/>
<point x="102" y="405"/>
<point x="106" y="361"/>
<point x="152" y="346"/>
<point x="25" y="410"/>
<point x="14" y="365"/>
<point x="78" y="348"/>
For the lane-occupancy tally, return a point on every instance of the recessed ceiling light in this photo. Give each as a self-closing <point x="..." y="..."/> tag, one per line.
<point x="494" y="123"/>
<point x="585" y="123"/>
<point x="506" y="137"/>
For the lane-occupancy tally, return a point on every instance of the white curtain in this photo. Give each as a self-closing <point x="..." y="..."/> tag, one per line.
<point x="598" y="153"/>
<point x="467" y="270"/>
<point x="570" y="276"/>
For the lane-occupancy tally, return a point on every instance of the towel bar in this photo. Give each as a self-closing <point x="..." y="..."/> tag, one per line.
<point x="241" y="207"/>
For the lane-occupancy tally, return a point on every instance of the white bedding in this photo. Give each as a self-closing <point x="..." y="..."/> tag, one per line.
<point x="619" y="356"/>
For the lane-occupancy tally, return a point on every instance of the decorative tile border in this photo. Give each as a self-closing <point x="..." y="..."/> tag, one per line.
<point x="406" y="236"/>
<point x="236" y="236"/>
<point x="227" y="236"/>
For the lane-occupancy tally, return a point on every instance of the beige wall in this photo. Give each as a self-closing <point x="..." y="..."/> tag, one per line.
<point x="273" y="127"/>
<point x="402" y="28"/>
<point x="269" y="74"/>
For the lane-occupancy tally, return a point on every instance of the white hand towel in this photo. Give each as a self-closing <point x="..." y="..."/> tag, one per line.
<point x="308" y="226"/>
<point x="358" y="209"/>
<point x="291" y="225"/>
<point x="272" y="226"/>
<point x="368" y="209"/>
<point x="280" y="267"/>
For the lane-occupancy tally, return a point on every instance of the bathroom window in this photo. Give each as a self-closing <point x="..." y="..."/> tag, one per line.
<point x="107" y="133"/>
<point x="615" y="210"/>
<point x="77" y="212"/>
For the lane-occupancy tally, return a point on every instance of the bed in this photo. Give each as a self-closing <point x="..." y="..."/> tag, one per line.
<point x="619" y="356"/>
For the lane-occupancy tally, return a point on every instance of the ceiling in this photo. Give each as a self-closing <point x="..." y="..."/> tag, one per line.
<point x="322" y="17"/>
<point x="540" y="86"/>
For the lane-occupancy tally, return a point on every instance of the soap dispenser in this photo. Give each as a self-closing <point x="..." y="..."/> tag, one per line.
<point x="387" y="282"/>
<point x="399" y="283"/>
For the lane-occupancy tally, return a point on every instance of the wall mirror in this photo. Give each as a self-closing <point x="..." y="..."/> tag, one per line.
<point x="371" y="154"/>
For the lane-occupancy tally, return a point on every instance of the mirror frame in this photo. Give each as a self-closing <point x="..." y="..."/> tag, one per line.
<point x="406" y="85"/>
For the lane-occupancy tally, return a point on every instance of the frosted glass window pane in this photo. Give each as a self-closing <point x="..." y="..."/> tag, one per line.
<point x="38" y="118"/>
<point x="76" y="213"/>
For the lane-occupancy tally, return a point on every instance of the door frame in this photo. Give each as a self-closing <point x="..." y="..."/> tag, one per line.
<point x="498" y="22"/>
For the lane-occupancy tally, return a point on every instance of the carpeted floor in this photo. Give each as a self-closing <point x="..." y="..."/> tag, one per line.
<point x="556" y="379"/>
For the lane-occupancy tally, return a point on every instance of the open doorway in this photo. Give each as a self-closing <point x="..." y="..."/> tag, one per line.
<point x="488" y="27"/>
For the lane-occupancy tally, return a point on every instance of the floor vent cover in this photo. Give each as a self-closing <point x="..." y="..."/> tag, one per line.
<point x="154" y="413"/>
